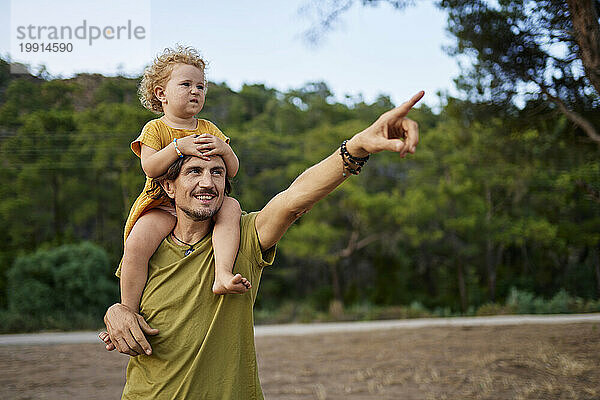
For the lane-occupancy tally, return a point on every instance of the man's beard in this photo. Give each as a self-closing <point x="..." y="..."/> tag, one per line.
<point x="199" y="215"/>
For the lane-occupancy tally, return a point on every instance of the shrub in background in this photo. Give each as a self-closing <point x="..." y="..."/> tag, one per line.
<point x="523" y="302"/>
<point x="67" y="287"/>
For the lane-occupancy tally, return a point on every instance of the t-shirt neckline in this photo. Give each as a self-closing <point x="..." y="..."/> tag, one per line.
<point x="198" y="244"/>
<point x="182" y="129"/>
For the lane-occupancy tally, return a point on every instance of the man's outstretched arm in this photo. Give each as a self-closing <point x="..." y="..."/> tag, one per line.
<point x="391" y="132"/>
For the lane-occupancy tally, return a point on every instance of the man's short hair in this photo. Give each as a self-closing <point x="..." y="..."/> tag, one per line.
<point x="157" y="192"/>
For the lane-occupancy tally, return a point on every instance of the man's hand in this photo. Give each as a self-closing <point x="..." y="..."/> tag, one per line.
<point x="126" y="330"/>
<point x="392" y="132"/>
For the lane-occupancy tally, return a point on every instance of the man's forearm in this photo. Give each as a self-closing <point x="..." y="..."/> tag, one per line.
<point x="321" y="179"/>
<point x="391" y="132"/>
<point x="314" y="184"/>
<point x="307" y="189"/>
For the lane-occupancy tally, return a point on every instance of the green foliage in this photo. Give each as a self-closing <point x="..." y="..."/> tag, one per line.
<point x="493" y="309"/>
<point x="511" y="43"/>
<point x="486" y="204"/>
<point x="66" y="283"/>
<point x="524" y="302"/>
<point x="526" y="53"/>
<point x="293" y="312"/>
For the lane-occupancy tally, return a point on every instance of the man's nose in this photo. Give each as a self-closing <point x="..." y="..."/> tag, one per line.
<point x="206" y="180"/>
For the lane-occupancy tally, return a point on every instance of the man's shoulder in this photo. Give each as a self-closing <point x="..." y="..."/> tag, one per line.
<point x="247" y="233"/>
<point x="250" y="243"/>
<point x="247" y="221"/>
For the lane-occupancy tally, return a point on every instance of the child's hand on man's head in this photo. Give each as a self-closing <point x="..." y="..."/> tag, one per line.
<point x="192" y="146"/>
<point x="211" y="145"/>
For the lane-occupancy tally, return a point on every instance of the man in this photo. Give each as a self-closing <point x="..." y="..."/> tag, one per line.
<point x="205" y="348"/>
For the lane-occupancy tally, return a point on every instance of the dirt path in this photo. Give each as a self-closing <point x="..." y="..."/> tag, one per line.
<point x="335" y="327"/>
<point x="533" y="361"/>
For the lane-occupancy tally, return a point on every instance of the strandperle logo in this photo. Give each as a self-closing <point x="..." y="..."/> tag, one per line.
<point x="84" y="31"/>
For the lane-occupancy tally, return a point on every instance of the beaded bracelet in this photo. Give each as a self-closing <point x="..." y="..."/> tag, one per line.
<point x="353" y="171"/>
<point x="179" y="154"/>
<point x="357" y="160"/>
<point x="348" y="159"/>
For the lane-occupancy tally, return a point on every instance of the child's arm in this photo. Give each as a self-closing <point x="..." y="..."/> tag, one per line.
<point x="156" y="162"/>
<point x="211" y="145"/>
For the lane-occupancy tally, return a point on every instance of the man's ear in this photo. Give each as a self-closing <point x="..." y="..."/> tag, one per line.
<point x="159" y="92"/>
<point x="169" y="188"/>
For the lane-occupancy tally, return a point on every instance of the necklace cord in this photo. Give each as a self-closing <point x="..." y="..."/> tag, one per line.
<point x="191" y="246"/>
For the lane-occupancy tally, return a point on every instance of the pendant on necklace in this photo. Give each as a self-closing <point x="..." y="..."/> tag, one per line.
<point x="188" y="251"/>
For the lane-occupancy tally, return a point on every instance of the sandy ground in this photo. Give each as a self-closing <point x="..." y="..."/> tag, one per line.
<point x="485" y="362"/>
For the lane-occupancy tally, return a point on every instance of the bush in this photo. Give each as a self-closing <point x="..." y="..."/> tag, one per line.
<point x="518" y="302"/>
<point x="561" y="303"/>
<point x="494" y="309"/>
<point x="523" y="302"/>
<point x="61" y="288"/>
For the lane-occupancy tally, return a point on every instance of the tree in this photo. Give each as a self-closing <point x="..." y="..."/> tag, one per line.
<point x="586" y="31"/>
<point x="518" y="50"/>
<point x="528" y="50"/>
<point x="326" y="13"/>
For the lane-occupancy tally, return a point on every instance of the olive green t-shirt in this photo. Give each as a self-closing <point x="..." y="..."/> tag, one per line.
<point x="205" y="348"/>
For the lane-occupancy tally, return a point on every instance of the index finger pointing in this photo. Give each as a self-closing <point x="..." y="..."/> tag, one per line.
<point x="415" y="99"/>
<point x="405" y="107"/>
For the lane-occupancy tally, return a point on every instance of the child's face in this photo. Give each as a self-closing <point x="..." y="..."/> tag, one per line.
<point x="183" y="95"/>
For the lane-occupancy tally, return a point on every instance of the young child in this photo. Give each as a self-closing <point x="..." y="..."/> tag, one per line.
<point x="176" y="86"/>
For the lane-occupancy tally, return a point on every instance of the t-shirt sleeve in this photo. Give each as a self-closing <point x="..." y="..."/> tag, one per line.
<point x="250" y="244"/>
<point x="213" y="130"/>
<point x="149" y="136"/>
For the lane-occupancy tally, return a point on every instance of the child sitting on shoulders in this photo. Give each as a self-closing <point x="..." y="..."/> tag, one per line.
<point x="175" y="85"/>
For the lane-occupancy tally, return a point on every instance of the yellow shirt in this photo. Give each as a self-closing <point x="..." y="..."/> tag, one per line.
<point x="205" y="348"/>
<point x="158" y="135"/>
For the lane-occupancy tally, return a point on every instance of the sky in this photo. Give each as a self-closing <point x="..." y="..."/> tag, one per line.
<point x="371" y="50"/>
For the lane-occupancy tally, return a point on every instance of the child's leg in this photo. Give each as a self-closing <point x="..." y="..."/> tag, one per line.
<point x="226" y="241"/>
<point x="143" y="240"/>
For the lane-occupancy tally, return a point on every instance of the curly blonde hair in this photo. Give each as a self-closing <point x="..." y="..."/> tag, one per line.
<point x="159" y="72"/>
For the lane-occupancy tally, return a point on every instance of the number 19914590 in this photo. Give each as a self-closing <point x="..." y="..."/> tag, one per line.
<point x="46" y="47"/>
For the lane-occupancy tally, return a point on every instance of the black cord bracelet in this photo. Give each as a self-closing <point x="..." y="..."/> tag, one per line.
<point x="356" y="160"/>
<point x="347" y="159"/>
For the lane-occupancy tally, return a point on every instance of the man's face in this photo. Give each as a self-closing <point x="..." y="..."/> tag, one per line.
<point x="199" y="189"/>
